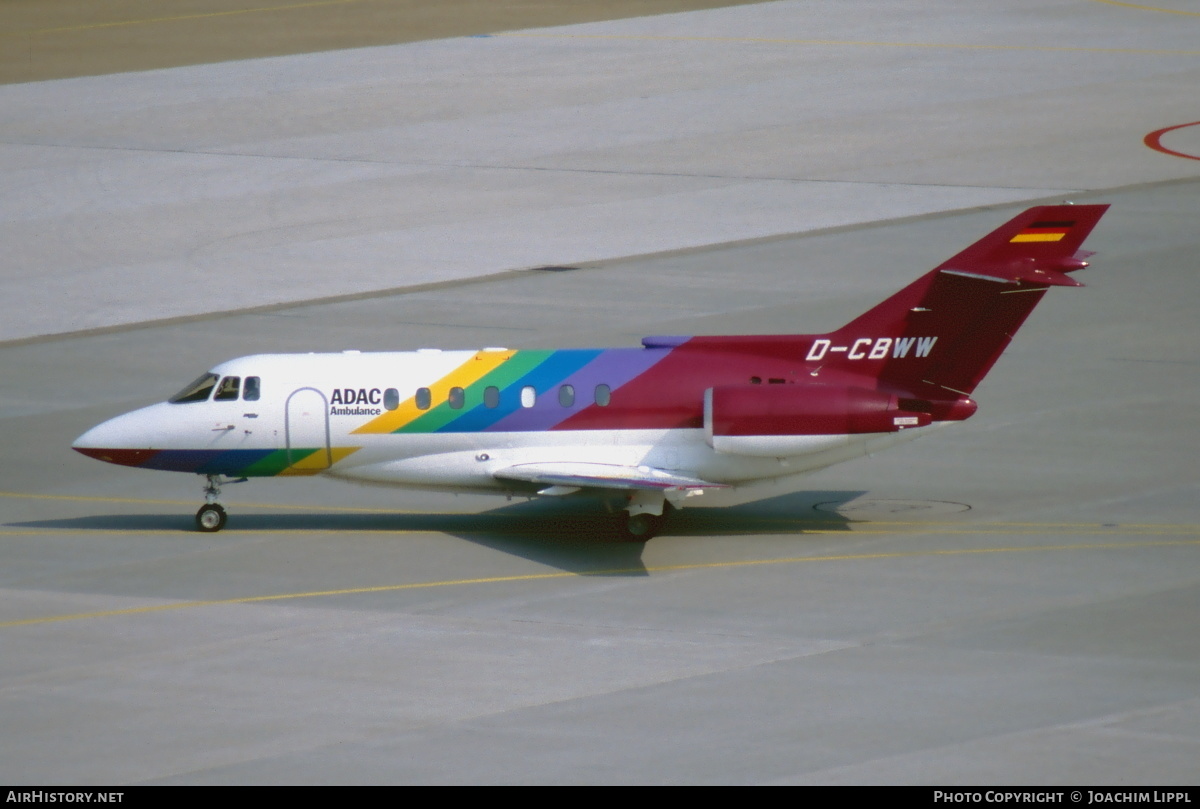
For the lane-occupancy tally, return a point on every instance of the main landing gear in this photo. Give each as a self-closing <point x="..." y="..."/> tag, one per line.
<point x="643" y="527"/>
<point x="211" y="517"/>
<point x="645" y="515"/>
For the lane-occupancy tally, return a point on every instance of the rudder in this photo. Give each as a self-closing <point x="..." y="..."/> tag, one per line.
<point x="945" y="331"/>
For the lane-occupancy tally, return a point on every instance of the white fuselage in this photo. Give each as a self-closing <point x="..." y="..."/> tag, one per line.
<point x="362" y="417"/>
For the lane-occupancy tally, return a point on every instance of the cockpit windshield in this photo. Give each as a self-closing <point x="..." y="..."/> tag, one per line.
<point x="198" y="391"/>
<point x="227" y="391"/>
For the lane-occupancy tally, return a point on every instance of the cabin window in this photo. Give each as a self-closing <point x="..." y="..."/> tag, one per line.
<point x="391" y="397"/>
<point x="424" y="398"/>
<point x="566" y="395"/>
<point x="198" y="391"/>
<point x="491" y="396"/>
<point x="528" y="396"/>
<point x="227" y="391"/>
<point x="756" y="380"/>
<point x="457" y="397"/>
<point x="603" y="395"/>
<point x="251" y="390"/>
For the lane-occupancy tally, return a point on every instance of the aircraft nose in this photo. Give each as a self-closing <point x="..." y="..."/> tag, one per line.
<point x="114" y="441"/>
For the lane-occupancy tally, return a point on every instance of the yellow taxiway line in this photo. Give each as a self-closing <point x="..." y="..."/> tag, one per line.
<point x="148" y="501"/>
<point x="1188" y="536"/>
<point x="1141" y="7"/>
<point x="736" y="563"/>
<point x="860" y="526"/>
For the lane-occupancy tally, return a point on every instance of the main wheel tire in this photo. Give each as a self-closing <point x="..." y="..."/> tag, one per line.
<point x="642" y="527"/>
<point x="210" y="518"/>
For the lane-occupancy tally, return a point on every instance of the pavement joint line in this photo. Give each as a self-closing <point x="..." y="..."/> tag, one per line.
<point x="66" y="29"/>
<point x="768" y="40"/>
<point x="845" y="43"/>
<point x="433" y="164"/>
<point x="584" y="574"/>
<point x="507" y="275"/>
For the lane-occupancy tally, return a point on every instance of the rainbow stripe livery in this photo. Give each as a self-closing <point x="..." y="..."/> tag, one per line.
<point x="653" y="426"/>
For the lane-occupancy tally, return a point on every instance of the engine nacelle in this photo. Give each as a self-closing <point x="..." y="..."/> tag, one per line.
<point x="783" y="420"/>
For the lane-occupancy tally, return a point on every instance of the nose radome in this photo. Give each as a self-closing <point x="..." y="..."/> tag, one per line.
<point x="115" y="433"/>
<point x="117" y="441"/>
<point x="93" y="438"/>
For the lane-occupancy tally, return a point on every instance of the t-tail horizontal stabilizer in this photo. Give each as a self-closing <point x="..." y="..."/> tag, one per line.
<point x="946" y="329"/>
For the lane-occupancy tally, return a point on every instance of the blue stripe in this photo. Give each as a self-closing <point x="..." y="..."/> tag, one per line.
<point x="545" y="377"/>
<point x="206" y="461"/>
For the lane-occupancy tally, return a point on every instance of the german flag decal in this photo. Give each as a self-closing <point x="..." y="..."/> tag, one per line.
<point x="1043" y="232"/>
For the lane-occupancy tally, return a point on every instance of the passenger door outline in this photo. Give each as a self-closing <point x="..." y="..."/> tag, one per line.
<point x="305" y="429"/>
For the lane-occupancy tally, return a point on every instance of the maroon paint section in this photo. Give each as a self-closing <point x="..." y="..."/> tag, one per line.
<point x="973" y="303"/>
<point x="1001" y="263"/>
<point x="808" y="410"/>
<point x="670" y="395"/>
<point x="997" y="255"/>
<point x="122" y="457"/>
<point x="973" y="321"/>
<point x="947" y="410"/>
<point x="963" y="312"/>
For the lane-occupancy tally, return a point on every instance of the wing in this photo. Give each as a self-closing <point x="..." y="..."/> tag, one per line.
<point x="570" y="476"/>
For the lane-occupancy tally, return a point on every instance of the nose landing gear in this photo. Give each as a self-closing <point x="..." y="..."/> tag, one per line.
<point x="211" y="517"/>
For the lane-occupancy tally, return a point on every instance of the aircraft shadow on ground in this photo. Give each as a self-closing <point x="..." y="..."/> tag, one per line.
<point x="578" y="535"/>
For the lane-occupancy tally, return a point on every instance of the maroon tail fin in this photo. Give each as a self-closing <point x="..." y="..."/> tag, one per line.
<point x="948" y="327"/>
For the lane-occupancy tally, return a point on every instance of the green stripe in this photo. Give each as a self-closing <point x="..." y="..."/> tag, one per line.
<point x="502" y="376"/>
<point x="275" y="463"/>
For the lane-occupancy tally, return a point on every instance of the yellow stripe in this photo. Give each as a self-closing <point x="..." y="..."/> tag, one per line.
<point x="470" y="372"/>
<point x="843" y="524"/>
<point x="1140" y="7"/>
<point x="387" y="588"/>
<point x="1038" y="237"/>
<point x="315" y="464"/>
<point x="192" y="503"/>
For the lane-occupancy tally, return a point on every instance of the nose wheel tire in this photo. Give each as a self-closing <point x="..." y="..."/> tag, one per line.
<point x="210" y="518"/>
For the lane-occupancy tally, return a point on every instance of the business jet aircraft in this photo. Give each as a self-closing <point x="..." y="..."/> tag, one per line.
<point x="655" y="425"/>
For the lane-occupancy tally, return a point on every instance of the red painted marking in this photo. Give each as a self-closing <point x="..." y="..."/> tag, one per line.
<point x="124" y="457"/>
<point x="1154" y="141"/>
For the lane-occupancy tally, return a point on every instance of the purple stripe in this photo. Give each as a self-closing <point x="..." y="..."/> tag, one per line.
<point x="614" y="367"/>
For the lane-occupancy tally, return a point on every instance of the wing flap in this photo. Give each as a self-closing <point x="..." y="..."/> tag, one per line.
<point x="583" y="475"/>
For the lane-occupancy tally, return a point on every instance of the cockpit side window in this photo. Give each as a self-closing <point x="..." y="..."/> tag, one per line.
<point x="227" y="391"/>
<point x="198" y="391"/>
<point x="251" y="390"/>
